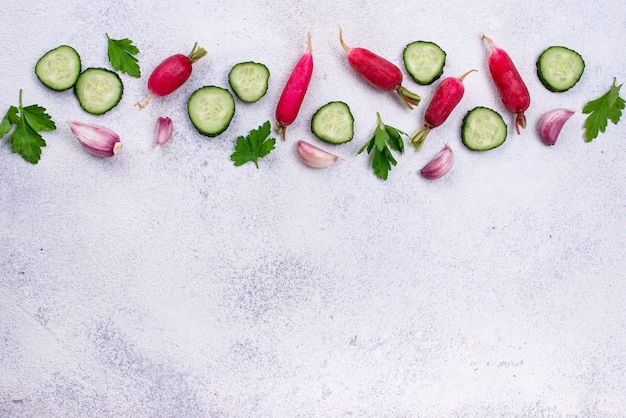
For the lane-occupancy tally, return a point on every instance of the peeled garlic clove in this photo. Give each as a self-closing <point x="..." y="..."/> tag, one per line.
<point x="551" y="123"/>
<point x="315" y="157"/>
<point x="164" y="129"/>
<point x="439" y="165"/>
<point x="96" y="139"/>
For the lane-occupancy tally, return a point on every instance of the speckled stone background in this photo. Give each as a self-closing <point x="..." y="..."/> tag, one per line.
<point x="173" y="284"/>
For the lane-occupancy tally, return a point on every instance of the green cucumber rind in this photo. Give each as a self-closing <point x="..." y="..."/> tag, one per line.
<point x="233" y="85"/>
<point x="225" y="123"/>
<point x="40" y="73"/>
<point x="84" y="102"/>
<point x="324" y="136"/>
<point x="543" y="72"/>
<point x="421" y="79"/>
<point x="467" y="120"/>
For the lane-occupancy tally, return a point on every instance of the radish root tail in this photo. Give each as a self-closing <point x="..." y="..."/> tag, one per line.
<point x="461" y="78"/>
<point x="343" y="45"/>
<point x="144" y="104"/>
<point x="488" y="40"/>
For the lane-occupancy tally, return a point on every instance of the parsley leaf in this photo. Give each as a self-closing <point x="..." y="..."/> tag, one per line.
<point x="122" y="56"/>
<point x="27" y="142"/>
<point x="395" y="139"/>
<point x="256" y="145"/>
<point x="384" y="139"/>
<point x="606" y="107"/>
<point x="9" y="119"/>
<point x="29" y="121"/>
<point x="37" y="118"/>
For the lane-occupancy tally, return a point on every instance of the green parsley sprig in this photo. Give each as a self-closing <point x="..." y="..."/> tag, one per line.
<point x="607" y="107"/>
<point x="384" y="139"/>
<point x="256" y="145"/>
<point x="28" y="121"/>
<point x="121" y="54"/>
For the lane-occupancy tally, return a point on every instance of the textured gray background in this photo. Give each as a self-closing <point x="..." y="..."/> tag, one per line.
<point x="171" y="283"/>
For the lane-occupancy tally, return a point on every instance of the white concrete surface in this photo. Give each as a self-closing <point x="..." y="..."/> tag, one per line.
<point x="173" y="284"/>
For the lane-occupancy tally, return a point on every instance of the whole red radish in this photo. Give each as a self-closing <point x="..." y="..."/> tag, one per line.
<point x="448" y="94"/>
<point x="294" y="90"/>
<point x="511" y="87"/>
<point x="172" y="73"/>
<point x="378" y="72"/>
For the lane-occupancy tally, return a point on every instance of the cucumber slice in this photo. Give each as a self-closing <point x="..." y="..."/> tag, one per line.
<point x="59" y="68"/>
<point x="333" y="123"/>
<point x="483" y="129"/>
<point x="559" y="68"/>
<point x="211" y="109"/>
<point x="98" y="90"/>
<point x="424" y="61"/>
<point x="249" y="81"/>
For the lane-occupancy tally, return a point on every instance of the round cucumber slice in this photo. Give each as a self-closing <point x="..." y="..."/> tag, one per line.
<point x="424" y="61"/>
<point x="559" y="68"/>
<point x="333" y="123"/>
<point x="249" y="81"/>
<point x="211" y="109"/>
<point x="483" y="129"/>
<point x="98" y="90"/>
<point x="58" y="69"/>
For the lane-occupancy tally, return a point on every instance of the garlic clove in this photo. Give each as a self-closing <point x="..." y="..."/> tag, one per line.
<point x="315" y="157"/>
<point x="96" y="139"/>
<point x="439" y="165"/>
<point x="164" y="129"/>
<point x="551" y="123"/>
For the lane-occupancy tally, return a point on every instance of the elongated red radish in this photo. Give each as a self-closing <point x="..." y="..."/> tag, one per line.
<point x="513" y="91"/>
<point x="378" y="72"/>
<point x="172" y="73"/>
<point x="448" y="94"/>
<point x="294" y="91"/>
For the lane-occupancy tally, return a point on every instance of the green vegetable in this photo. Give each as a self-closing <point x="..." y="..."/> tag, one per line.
<point x="58" y="69"/>
<point x="606" y="107"/>
<point x="249" y="81"/>
<point x="98" y="90"/>
<point x="483" y="129"/>
<point x="333" y="123"/>
<point x="28" y="122"/>
<point x="256" y="145"/>
<point x="385" y="139"/>
<point x="121" y="54"/>
<point x="211" y="109"/>
<point x="559" y="68"/>
<point x="424" y="61"/>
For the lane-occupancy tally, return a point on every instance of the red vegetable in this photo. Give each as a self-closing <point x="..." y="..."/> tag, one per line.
<point x="511" y="87"/>
<point x="172" y="73"/>
<point x="448" y="94"/>
<point x="379" y="72"/>
<point x="295" y="90"/>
